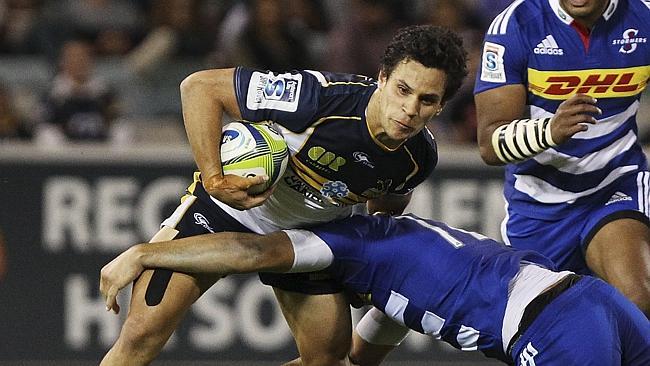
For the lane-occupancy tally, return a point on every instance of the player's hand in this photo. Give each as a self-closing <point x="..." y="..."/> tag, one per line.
<point x="233" y="190"/>
<point x="573" y="116"/>
<point x="118" y="274"/>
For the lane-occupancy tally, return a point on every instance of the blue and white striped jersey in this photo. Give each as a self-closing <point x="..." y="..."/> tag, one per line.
<point x="437" y="280"/>
<point x="537" y="44"/>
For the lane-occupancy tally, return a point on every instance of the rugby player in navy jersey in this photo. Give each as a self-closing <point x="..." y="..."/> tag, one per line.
<point x="557" y="97"/>
<point x="455" y="285"/>
<point x="352" y="140"/>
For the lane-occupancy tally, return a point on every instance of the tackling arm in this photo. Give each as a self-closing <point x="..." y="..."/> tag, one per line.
<point x="220" y="253"/>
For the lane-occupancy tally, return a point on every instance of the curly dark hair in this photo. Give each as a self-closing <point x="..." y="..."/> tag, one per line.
<point x="433" y="47"/>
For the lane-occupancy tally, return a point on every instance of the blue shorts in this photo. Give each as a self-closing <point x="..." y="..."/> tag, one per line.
<point x="591" y="323"/>
<point x="565" y="240"/>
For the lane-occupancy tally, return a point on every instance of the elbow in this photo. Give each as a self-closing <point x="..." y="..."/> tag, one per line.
<point x="488" y="155"/>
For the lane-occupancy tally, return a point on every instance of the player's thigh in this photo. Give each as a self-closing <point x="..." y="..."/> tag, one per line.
<point x="321" y="324"/>
<point x="619" y="253"/>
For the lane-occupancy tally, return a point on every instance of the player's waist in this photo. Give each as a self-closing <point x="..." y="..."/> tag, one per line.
<point x="535" y="307"/>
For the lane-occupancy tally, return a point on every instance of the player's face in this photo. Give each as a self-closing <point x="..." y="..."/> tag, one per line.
<point x="407" y="100"/>
<point x="586" y="10"/>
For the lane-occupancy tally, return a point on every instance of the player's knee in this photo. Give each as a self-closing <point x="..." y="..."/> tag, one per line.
<point x="143" y="337"/>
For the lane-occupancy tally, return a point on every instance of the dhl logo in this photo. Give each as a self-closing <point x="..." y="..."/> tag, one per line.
<point x="599" y="83"/>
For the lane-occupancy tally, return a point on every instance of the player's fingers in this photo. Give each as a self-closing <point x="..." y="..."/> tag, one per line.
<point x="111" y="300"/>
<point x="258" y="179"/>
<point x="580" y="99"/>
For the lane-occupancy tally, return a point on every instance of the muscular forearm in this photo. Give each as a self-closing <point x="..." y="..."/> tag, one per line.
<point x="220" y="253"/>
<point x="205" y="96"/>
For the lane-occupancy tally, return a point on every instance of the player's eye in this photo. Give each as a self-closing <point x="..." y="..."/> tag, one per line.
<point x="403" y="90"/>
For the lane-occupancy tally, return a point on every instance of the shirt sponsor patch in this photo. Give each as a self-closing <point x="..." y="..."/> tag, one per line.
<point x="492" y="68"/>
<point x="270" y="91"/>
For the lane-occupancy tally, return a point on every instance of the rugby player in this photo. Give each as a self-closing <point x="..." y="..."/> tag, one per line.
<point x="353" y="140"/>
<point x="557" y="96"/>
<point x="455" y="285"/>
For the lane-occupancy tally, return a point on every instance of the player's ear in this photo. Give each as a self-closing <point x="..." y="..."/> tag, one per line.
<point x="381" y="80"/>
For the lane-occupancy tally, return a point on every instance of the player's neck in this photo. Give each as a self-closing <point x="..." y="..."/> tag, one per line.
<point x="586" y="20"/>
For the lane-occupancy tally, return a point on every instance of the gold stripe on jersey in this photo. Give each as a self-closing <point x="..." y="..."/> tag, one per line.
<point x="310" y="130"/>
<point x="598" y="83"/>
<point x="416" y="168"/>
<point x="316" y="181"/>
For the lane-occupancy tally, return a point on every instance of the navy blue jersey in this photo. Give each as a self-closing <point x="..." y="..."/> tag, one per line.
<point x="536" y="44"/>
<point x="335" y="162"/>
<point x="435" y="279"/>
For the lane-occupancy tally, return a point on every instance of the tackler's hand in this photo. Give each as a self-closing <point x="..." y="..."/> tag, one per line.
<point x="234" y="190"/>
<point x="118" y="274"/>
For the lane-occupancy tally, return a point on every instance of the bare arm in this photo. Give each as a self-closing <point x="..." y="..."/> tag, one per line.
<point x="496" y="107"/>
<point x="205" y="96"/>
<point x="220" y="253"/>
<point x="500" y="106"/>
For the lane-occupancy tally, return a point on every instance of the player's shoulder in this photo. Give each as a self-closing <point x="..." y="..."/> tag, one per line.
<point x="518" y="16"/>
<point x="640" y="7"/>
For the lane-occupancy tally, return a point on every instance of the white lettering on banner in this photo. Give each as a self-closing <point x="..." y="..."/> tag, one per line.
<point x="84" y="311"/>
<point x="108" y="216"/>
<point x="221" y="324"/>
<point x="470" y="204"/>
<point x="216" y="328"/>
<point x="66" y="203"/>
<point x="254" y="332"/>
<point x="114" y="215"/>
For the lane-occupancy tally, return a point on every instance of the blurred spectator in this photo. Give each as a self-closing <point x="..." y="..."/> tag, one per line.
<point x="18" y="26"/>
<point x="12" y="124"/>
<point x="355" y="45"/>
<point x="113" y="27"/>
<point x="177" y="29"/>
<point x="259" y="33"/>
<point x="80" y="103"/>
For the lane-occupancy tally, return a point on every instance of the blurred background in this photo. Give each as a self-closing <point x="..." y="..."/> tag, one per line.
<point x="93" y="156"/>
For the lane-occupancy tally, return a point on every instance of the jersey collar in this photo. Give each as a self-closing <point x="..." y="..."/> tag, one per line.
<point x="567" y="19"/>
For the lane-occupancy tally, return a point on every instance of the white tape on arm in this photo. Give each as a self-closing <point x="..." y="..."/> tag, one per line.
<point x="310" y="252"/>
<point x="522" y="139"/>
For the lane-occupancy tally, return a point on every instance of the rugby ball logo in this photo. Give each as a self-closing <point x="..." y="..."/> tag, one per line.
<point x="252" y="149"/>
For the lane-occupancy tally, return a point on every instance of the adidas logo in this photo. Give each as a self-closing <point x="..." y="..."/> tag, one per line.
<point x="617" y="197"/>
<point x="548" y="46"/>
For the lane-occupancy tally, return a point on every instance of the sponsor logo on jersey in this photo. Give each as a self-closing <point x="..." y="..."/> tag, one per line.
<point x="548" y="46"/>
<point x="618" y="197"/>
<point x="199" y="219"/>
<point x="492" y="69"/>
<point x="334" y="189"/>
<point x="361" y="157"/>
<point x="599" y="83"/>
<point x="630" y="41"/>
<point x="527" y="355"/>
<point x="270" y="91"/>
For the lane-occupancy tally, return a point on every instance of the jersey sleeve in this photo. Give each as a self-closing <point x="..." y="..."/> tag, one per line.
<point x="290" y="99"/>
<point x="504" y="57"/>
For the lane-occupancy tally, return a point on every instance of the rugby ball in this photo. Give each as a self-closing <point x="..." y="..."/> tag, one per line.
<point x="252" y="149"/>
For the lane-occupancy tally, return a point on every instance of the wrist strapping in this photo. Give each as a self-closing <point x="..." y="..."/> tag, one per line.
<point x="522" y="139"/>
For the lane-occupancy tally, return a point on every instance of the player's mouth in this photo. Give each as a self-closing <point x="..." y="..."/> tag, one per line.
<point x="578" y="3"/>
<point x="403" y="125"/>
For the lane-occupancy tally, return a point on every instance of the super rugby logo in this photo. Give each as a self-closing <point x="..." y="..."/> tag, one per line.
<point x="199" y="219"/>
<point x="361" y="157"/>
<point x="270" y="91"/>
<point x="630" y="41"/>
<point x="492" y="69"/>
